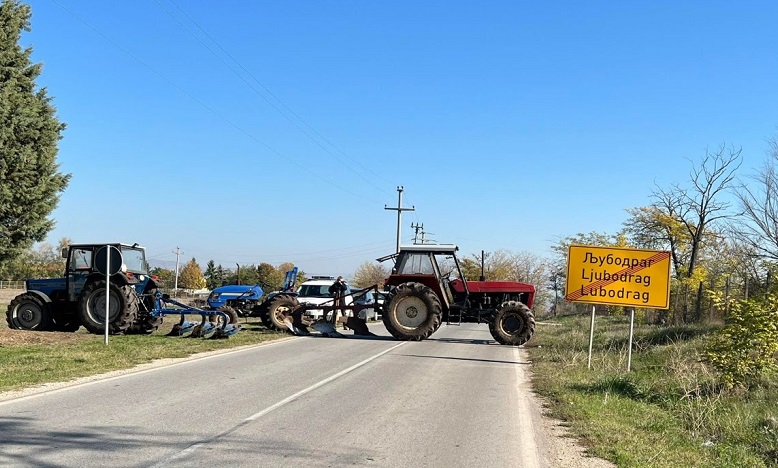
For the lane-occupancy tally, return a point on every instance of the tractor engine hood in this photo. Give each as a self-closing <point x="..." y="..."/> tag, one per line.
<point x="493" y="287"/>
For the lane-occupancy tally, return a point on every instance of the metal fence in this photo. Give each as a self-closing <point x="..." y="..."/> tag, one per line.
<point x="12" y="284"/>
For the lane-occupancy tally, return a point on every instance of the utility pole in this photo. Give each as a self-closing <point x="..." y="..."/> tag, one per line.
<point x="178" y="254"/>
<point x="417" y="228"/>
<point x="423" y="240"/>
<point x="399" y="210"/>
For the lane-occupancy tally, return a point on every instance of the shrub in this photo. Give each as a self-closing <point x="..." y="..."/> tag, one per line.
<point x="744" y="350"/>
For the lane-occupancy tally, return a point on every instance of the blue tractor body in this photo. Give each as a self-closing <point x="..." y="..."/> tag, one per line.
<point x="249" y="301"/>
<point x="51" y="287"/>
<point x="242" y="298"/>
<point x="78" y="298"/>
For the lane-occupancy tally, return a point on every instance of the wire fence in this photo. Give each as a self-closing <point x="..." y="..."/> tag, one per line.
<point x="11" y="284"/>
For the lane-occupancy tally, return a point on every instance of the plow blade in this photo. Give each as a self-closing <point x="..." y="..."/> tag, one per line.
<point x="203" y="330"/>
<point x="300" y="330"/>
<point x="225" y="332"/>
<point x="326" y="328"/>
<point x="359" y="326"/>
<point x="182" y="329"/>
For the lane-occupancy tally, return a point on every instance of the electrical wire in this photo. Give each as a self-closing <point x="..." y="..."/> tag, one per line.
<point x="268" y="91"/>
<point x="202" y="104"/>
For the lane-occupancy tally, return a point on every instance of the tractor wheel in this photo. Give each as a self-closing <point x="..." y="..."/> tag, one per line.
<point x="145" y="323"/>
<point x="232" y="314"/>
<point x="28" y="311"/>
<point x="265" y="317"/>
<point x="412" y="312"/>
<point x="514" y="324"/>
<point x="123" y="307"/>
<point x="279" y="308"/>
<point x="259" y="310"/>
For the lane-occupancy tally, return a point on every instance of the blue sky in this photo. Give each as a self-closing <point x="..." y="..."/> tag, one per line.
<point x="278" y="131"/>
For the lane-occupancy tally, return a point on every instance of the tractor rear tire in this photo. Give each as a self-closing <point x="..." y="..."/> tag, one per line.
<point x="260" y="311"/>
<point x="28" y="311"/>
<point x="514" y="324"/>
<point x="279" y="308"/>
<point x="412" y="312"/>
<point x="123" y="311"/>
<point x="145" y="323"/>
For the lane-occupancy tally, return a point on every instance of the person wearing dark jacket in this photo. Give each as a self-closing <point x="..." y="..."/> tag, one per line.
<point x="338" y="291"/>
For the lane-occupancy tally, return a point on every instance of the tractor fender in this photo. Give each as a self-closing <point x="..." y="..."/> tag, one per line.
<point x="43" y="296"/>
<point x="150" y="284"/>
<point x="119" y="280"/>
<point x="153" y="283"/>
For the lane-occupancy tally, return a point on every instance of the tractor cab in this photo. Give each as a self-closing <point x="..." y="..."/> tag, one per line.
<point x="435" y="266"/>
<point x="81" y="267"/>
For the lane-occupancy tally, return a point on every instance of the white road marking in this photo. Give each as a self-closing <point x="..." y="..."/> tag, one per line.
<point x="194" y="447"/>
<point x="528" y="448"/>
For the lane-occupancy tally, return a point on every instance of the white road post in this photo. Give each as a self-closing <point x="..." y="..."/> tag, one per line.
<point x="631" y="328"/>
<point x="107" y="289"/>
<point x="591" y="340"/>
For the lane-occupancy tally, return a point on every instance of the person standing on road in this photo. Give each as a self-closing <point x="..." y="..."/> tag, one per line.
<point x="338" y="291"/>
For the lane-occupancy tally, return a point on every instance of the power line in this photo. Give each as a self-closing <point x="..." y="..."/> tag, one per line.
<point x="205" y="106"/>
<point x="399" y="210"/>
<point x="178" y="253"/>
<point x="417" y="228"/>
<point x="268" y="91"/>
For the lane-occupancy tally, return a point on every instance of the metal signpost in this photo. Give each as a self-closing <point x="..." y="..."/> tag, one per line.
<point x="618" y="276"/>
<point x="110" y="257"/>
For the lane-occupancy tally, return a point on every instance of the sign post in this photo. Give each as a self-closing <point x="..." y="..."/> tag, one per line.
<point x="618" y="276"/>
<point x="108" y="261"/>
<point x="591" y="340"/>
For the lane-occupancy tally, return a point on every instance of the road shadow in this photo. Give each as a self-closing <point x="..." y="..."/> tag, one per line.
<point x="26" y="444"/>
<point x="452" y="358"/>
<point x="464" y="341"/>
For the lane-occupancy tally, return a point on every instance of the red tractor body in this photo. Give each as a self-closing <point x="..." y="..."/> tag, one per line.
<point x="423" y="295"/>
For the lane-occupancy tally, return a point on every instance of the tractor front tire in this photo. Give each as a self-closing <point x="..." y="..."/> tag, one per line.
<point x="232" y="315"/>
<point x="412" y="312"/>
<point x="28" y="311"/>
<point x="280" y="308"/>
<point x="122" y="313"/>
<point x="514" y="324"/>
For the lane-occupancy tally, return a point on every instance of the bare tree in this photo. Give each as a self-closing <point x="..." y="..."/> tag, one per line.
<point x="370" y="274"/>
<point x="758" y="225"/>
<point x="683" y="219"/>
<point x="680" y="218"/>
<point x="700" y="207"/>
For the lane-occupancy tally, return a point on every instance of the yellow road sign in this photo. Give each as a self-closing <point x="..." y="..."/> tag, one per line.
<point x="618" y="276"/>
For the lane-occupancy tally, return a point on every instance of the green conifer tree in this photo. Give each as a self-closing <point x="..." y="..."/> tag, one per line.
<point x="30" y="181"/>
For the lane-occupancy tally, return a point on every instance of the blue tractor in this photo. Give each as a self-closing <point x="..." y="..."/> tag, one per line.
<point x="251" y="301"/>
<point x="240" y="298"/>
<point x="65" y="304"/>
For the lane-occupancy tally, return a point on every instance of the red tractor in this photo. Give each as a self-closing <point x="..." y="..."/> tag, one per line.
<point x="423" y="293"/>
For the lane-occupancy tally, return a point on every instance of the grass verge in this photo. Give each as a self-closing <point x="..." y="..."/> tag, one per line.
<point x="31" y="358"/>
<point x="669" y="411"/>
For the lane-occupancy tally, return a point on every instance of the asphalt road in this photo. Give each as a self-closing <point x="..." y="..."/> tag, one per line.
<point x="458" y="399"/>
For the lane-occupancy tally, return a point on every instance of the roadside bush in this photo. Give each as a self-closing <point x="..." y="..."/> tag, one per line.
<point x="744" y="350"/>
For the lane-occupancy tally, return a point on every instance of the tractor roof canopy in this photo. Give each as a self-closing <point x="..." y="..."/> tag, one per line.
<point x="432" y="248"/>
